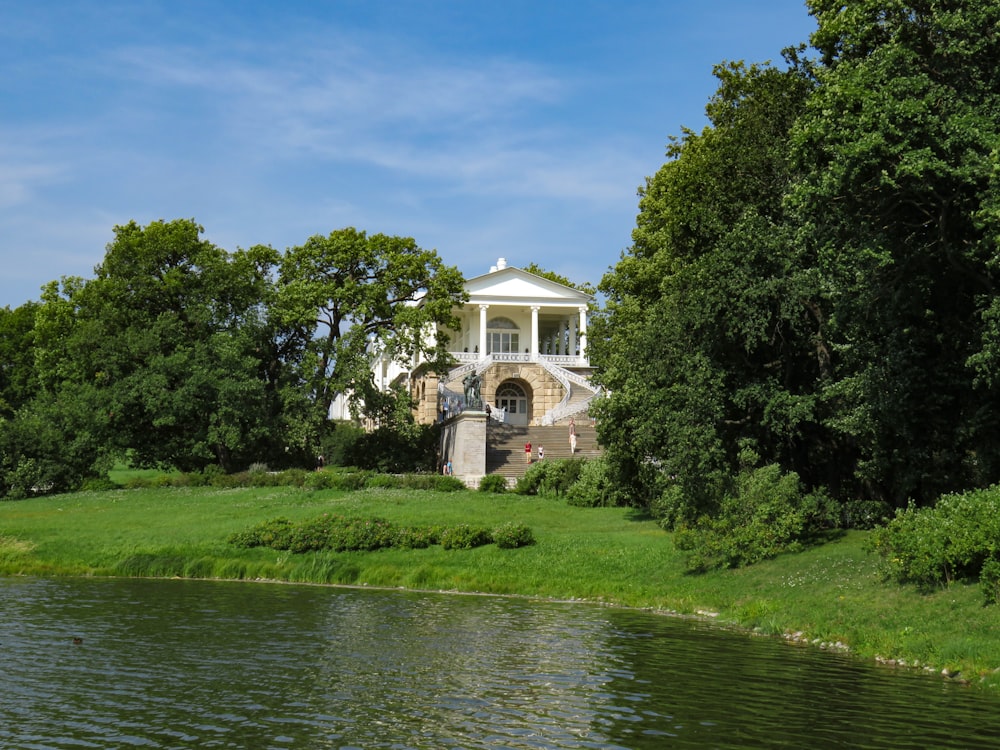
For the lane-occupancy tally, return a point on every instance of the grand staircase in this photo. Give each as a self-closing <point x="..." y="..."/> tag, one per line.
<point x="505" y="445"/>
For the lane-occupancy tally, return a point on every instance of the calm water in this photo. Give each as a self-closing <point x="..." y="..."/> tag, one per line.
<point x="181" y="664"/>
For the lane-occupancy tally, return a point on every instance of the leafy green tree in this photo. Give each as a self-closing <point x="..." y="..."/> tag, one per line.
<point x="18" y="381"/>
<point x="709" y="341"/>
<point x="898" y="153"/>
<point x="170" y="334"/>
<point x="349" y="297"/>
<point x="537" y="270"/>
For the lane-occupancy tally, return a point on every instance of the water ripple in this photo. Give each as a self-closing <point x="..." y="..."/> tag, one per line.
<point x="175" y="664"/>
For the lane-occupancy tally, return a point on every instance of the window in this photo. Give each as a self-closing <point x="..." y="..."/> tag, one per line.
<point x="501" y="336"/>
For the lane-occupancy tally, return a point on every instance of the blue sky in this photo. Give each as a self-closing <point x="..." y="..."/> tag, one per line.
<point x="514" y="128"/>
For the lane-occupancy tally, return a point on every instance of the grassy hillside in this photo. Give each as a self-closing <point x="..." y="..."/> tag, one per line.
<point x="828" y="595"/>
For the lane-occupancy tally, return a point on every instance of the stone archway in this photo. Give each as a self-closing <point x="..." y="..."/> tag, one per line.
<point x="514" y="398"/>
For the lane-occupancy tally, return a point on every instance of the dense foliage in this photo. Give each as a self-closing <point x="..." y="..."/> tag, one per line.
<point x="340" y="533"/>
<point x="811" y="288"/>
<point x="766" y="515"/>
<point x="179" y="354"/>
<point x="952" y="541"/>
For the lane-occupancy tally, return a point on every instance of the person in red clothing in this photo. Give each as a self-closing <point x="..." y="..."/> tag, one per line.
<point x="527" y="452"/>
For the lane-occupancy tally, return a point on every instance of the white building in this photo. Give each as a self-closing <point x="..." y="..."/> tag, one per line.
<point x="526" y="336"/>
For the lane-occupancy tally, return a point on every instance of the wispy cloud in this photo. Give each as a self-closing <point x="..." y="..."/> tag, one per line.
<point x="463" y="123"/>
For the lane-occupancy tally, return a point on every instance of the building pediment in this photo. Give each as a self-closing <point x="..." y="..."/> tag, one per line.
<point x="514" y="286"/>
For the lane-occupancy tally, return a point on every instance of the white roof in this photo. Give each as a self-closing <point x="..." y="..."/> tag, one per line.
<point x="511" y="285"/>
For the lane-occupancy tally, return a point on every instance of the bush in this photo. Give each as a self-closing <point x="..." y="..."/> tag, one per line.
<point x="494" y="483"/>
<point x="594" y="487"/>
<point x="339" y="444"/>
<point x="554" y="477"/>
<point x="332" y="479"/>
<point x="312" y="535"/>
<point x="360" y="535"/>
<point x="383" y="481"/>
<point x="415" y="537"/>
<point x="531" y="481"/>
<point x="949" y="542"/>
<point x="766" y="515"/>
<point x="865" y="514"/>
<point x="448" y="484"/>
<point x="276" y="534"/>
<point x="342" y="534"/>
<point x="99" y="484"/>
<point x="465" y="536"/>
<point x="989" y="581"/>
<point x="512" y="535"/>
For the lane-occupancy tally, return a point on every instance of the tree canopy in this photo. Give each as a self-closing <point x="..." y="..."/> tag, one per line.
<point x="811" y="281"/>
<point x="181" y="354"/>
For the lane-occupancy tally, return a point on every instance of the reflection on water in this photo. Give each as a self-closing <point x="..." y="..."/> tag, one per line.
<point x="184" y="664"/>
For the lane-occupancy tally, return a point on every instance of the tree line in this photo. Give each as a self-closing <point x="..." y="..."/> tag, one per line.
<point x="811" y="291"/>
<point x="179" y="354"/>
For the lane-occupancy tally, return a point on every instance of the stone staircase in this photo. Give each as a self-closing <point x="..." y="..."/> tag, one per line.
<point x="505" y="445"/>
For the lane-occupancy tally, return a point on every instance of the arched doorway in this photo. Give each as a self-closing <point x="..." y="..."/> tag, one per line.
<point x="511" y="397"/>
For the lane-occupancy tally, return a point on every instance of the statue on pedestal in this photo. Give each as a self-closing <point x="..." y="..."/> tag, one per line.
<point x="473" y="398"/>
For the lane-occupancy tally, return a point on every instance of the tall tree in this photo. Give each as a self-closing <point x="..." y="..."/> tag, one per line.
<point x="18" y="380"/>
<point x="349" y="296"/>
<point x="169" y="333"/>
<point x="898" y="150"/>
<point x="708" y="343"/>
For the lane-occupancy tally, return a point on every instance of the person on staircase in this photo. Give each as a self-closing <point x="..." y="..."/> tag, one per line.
<point x="572" y="435"/>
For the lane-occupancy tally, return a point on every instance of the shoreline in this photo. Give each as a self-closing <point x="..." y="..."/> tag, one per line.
<point x="797" y="639"/>
<point x="831" y="596"/>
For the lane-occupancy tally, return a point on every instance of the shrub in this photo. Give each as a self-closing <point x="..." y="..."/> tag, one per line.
<point x="276" y="534"/>
<point x="415" y="537"/>
<point x="293" y="477"/>
<point x="531" y="481"/>
<point x="594" y="486"/>
<point x="512" y="535"/>
<point x="312" y="535"/>
<point x="336" y="480"/>
<point x="383" y="481"/>
<point x="989" y="581"/>
<point x="865" y="514"/>
<point x="99" y="484"/>
<point x="360" y="535"/>
<point x="464" y="536"/>
<point x="494" y="483"/>
<point x="949" y="542"/>
<point x="766" y="514"/>
<point x="448" y="484"/>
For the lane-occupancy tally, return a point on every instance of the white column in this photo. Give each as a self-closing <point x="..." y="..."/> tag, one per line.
<point x="533" y="350"/>
<point x="571" y="349"/>
<point x="482" y="330"/>
<point x="583" y="332"/>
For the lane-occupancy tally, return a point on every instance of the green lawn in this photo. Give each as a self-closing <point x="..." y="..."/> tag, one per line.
<point x="829" y="594"/>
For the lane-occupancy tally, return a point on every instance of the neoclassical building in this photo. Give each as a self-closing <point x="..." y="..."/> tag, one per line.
<point x="525" y="336"/>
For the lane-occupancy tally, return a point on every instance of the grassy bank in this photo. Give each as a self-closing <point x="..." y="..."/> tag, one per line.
<point x="830" y="594"/>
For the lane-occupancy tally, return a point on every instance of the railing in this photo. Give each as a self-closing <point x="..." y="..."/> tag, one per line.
<point x="477" y="365"/>
<point x="569" y="410"/>
<point x="552" y="364"/>
<point x="569" y="375"/>
<point x="563" y="359"/>
<point x="564" y="409"/>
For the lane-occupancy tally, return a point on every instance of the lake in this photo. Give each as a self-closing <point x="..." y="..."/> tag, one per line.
<point x="114" y="663"/>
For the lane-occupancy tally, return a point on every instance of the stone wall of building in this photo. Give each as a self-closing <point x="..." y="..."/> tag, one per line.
<point x="543" y="391"/>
